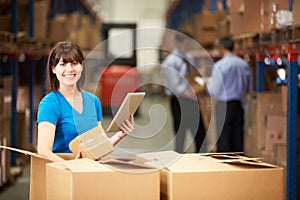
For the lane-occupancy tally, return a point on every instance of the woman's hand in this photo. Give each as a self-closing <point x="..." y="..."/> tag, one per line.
<point x="78" y="156"/>
<point x="127" y="127"/>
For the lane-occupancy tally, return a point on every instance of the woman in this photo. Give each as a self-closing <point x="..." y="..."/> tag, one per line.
<point x="67" y="110"/>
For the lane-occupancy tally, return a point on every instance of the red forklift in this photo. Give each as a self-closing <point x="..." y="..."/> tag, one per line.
<point x="120" y="76"/>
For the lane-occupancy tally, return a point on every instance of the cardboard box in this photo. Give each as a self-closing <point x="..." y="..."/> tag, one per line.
<point x="280" y="152"/>
<point x="236" y="15"/>
<point x="93" y="144"/>
<point x="195" y="177"/>
<point x="5" y="105"/>
<point x="223" y="27"/>
<point x="5" y="154"/>
<point x="260" y="15"/>
<point x="6" y="84"/>
<point x="296" y="12"/>
<point x="72" y="179"/>
<point x="276" y="131"/>
<point x="197" y="87"/>
<point x="40" y="19"/>
<point x="209" y="19"/>
<point x="88" y="179"/>
<point x="284" y="98"/>
<point x="255" y="16"/>
<point x="58" y="29"/>
<point x="250" y="148"/>
<point x="268" y="103"/>
<point x="206" y="26"/>
<point x="250" y="111"/>
<point x="110" y="178"/>
<point x="23" y="141"/>
<point x="284" y="93"/>
<point x="5" y="21"/>
<point x="37" y="190"/>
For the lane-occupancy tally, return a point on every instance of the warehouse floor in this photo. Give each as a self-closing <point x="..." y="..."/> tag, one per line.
<point x="153" y="132"/>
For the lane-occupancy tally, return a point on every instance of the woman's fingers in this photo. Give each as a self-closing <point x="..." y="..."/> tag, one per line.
<point x="127" y="126"/>
<point x="79" y="155"/>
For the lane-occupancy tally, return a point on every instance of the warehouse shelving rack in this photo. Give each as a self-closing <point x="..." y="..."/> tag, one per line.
<point x="292" y="51"/>
<point x="13" y="52"/>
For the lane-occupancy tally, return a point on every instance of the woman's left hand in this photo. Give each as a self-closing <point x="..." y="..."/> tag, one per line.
<point x="127" y="126"/>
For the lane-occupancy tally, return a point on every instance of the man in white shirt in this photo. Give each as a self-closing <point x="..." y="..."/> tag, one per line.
<point x="183" y="101"/>
<point x="229" y="84"/>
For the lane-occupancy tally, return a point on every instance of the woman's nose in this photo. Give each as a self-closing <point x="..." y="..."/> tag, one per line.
<point x="69" y="66"/>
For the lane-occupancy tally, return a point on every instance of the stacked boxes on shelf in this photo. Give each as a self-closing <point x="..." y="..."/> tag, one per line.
<point x="205" y="28"/>
<point x="254" y="16"/>
<point x="75" y="27"/>
<point x="40" y="19"/>
<point x="206" y="23"/>
<point x="266" y="126"/>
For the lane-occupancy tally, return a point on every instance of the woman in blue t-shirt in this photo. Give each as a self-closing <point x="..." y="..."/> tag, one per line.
<point x="67" y="110"/>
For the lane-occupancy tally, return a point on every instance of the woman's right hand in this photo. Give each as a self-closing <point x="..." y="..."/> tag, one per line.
<point x="79" y="155"/>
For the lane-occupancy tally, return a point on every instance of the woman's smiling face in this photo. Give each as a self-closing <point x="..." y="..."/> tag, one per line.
<point x="67" y="73"/>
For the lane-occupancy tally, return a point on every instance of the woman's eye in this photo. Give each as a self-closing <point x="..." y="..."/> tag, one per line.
<point x="75" y="63"/>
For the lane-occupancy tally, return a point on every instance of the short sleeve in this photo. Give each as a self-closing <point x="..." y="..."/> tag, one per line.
<point x="48" y="109"/>
<point x="98" y="109"/>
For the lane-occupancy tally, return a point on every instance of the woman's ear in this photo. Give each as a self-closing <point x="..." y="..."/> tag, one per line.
<point x="53" y="70"/>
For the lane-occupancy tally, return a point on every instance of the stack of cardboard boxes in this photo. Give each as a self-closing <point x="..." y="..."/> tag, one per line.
<point x="205" y="27"/>
<point x="254" y="16"/>
<point x="240" y="17"/>
<point x="75" y="27"/>
<point x="266" y="128"/>
<point x="156" y="175"/>
<point x="40" y="19"/>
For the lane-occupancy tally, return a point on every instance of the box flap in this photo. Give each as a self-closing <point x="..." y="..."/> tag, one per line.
<point x="22" y="151"/>
<point x="153" y="160"/>
<point x="249" y="163"/>
<point x="189" y="163"/>
<point x="80" y="165"/>
<point x="123" y="163"/>
<point x="197" y="163"/>
<point x="158" y="160"/>
<point x="238" y="159"/>
<point x="222" y="154"/>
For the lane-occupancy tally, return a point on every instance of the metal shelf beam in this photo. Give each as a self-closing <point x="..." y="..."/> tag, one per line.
<point x="293" y="51"/>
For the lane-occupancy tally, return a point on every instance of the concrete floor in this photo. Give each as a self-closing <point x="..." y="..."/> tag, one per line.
<point x="153" y="132"/>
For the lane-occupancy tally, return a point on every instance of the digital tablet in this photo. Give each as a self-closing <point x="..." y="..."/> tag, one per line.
<point x="129" y="106"/>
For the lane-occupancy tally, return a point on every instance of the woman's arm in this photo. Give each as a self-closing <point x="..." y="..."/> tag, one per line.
<point x="46" y="132"/>
<point x="126" y="127"/>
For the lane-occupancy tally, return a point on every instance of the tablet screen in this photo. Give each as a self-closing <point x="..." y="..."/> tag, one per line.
<point x="129" y="106"/>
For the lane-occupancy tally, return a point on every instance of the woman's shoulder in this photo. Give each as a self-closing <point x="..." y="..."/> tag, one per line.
<point x="50" y="98"/>
<point x="89" y="95"/>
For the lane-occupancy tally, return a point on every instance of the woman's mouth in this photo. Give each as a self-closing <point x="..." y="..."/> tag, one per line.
<point x="69" y="75"/>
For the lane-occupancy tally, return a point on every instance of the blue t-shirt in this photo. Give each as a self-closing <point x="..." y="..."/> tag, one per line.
<point x="69" y="123"/>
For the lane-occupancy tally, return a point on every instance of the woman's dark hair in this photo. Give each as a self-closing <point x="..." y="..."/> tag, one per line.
<point x="226" y="43"/>
<point x="69" y="52"/>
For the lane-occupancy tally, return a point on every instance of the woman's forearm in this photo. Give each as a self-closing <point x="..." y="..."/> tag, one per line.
<point x="50" y="155"/>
